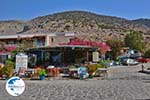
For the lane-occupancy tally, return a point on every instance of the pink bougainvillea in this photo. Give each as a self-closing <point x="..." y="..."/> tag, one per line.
<point x="103" y="47"/>
<point x="6" y="48"/>
<point x="10" y="48"/>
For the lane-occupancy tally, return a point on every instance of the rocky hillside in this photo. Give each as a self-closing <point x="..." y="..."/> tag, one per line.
<point x="141" y="21"/>
<point x="11" y="27"/>
<point x="145" y="22"/>
<point x="86" y="25"/>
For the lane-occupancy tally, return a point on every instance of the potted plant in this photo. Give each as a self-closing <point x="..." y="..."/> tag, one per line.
<point x="92" y="70"/>
<point x="42" y="73"/>
<point x="99" y="66"/>
<point x="1" y="67"/>
<point x="7" y="71"/>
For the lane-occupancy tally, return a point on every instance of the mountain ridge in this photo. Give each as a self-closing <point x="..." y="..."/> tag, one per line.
<point x="87" y="25"/>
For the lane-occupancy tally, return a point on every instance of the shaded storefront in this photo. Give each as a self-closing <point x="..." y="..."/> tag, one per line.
<point x="3" y="57"/>
<point x="62" y="55"/>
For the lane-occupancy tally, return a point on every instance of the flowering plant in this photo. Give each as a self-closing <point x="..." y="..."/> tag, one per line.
<point x="103" y="47"/>
<point x="6" y="48"/>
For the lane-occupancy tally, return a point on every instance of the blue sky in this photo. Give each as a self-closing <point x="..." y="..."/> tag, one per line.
<point x="28" y="9"/>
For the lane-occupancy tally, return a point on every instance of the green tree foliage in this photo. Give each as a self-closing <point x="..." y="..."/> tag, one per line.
<point x="147" y="54"/>
<point x="25" y="44"/>
<point x="116" y="46"/>
<point x="135" y="40"/>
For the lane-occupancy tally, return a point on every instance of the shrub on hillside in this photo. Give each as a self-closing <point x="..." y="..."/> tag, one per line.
<point x="147" y="54"/>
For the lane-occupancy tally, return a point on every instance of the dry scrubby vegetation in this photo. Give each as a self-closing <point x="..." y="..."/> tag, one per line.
<point x="87" y="25"/>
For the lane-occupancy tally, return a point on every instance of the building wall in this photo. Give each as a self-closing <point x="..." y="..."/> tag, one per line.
<point x="38" y="40"/>
<point x="58" y="40"/>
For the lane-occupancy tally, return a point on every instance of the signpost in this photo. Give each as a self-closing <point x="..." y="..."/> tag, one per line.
<point x="95" y="56"/>
<point x="21" y="61"/>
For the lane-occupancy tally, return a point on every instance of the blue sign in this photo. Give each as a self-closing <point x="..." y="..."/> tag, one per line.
<point x="15" y="86"/>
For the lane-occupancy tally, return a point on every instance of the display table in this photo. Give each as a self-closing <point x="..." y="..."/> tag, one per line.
<point x="29" y="72"/>
<point x="53" y="72"/>
<point x="102" y="72"/>
<point x="64" y="70"/>
<point x="73" y="72"/>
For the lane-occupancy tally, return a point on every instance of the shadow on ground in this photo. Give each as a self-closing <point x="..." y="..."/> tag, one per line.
<point x="145" y="72"/>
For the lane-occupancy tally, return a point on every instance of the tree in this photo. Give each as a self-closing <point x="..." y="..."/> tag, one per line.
<point x="25" y="44"/>
<point x="147" y="54"/>
<point x="116" y="46"/>
<point x="135" y="40"/>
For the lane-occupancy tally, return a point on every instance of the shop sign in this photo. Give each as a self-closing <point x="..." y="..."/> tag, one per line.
<point x="21" y="61"/>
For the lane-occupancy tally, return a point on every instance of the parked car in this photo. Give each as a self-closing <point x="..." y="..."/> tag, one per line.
<point x="131" y="62"/>
<point x="143" y="60"/>
<point x="128" y="61"/>
<point x="123" y="60"/>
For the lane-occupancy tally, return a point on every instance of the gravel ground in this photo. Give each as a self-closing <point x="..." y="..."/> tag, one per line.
<point x="129" y="72"/>
<point x="123" y="83"/>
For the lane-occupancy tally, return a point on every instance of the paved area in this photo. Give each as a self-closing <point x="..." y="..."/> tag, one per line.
<point x="123" y="83"/>
<point x="129" y="72"/>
